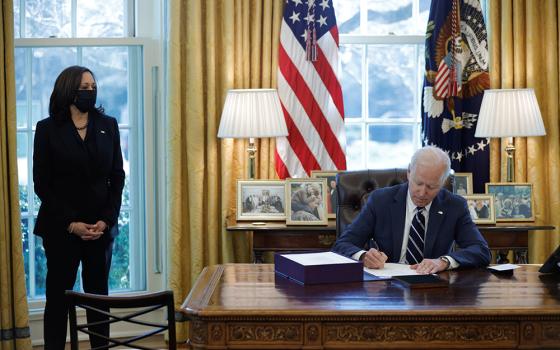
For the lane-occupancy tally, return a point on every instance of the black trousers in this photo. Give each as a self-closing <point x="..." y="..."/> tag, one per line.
<point x="64" y="253"/>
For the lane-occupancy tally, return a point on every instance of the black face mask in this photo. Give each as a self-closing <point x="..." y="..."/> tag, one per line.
<point x="85" y="100"/>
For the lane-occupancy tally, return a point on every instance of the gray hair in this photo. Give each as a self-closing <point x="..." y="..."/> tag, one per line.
<point x="431" y="155"/>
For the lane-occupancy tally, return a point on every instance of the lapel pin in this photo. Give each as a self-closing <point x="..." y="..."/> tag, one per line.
<point x="102" y="131"/>
<point x="440" y="212"/>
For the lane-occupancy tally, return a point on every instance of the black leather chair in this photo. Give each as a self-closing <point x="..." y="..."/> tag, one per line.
<point x="354" y="187"/>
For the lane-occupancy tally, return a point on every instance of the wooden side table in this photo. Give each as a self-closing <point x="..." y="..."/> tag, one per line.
<point x="279" y="237"/>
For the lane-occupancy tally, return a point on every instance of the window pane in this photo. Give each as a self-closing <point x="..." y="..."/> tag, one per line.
<point x="110" y="66"/>
<point x="16" y="19"/>
<point x="48" y="18"/>
<point x="47" y="63"/>
<point x="126" y="165"/>
<point x="354" y="147"/>
<point x="119" y="276"/>
<point x="25" y="244"/>
<point x="40" y="267"/>
<point x="392" y="79"/>
<point x="351" y="79"/>
<point x="390" y="146"/>
<point x="22" y="162"/>
<point x="101" y="18"/>
<point x="21" y="88"/>
<point x="348" y="16"/>
<point x="395" y="16"/>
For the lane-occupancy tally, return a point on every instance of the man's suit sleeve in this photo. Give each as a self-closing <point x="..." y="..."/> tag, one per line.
<point x="474" y="251"/>
<point x="357" y="234"/>
<point x="116" y="180"/>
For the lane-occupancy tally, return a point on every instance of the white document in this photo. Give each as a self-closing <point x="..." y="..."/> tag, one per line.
<point x="308" y="259"/>
<point x="392" y="269"/>
<point x="503" y="267"/>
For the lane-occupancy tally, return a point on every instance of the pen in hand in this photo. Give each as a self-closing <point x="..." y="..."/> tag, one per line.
<point x="373" y="244"/>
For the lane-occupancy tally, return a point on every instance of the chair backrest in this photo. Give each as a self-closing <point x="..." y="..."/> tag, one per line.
<point x="353" y="189"/>
<point x="137" y="305"/>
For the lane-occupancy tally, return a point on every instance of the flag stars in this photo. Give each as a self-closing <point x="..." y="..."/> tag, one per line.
<point x="322" y="21"/>
<point x="294" y="17"/>
<point x="297" y="2"/>
<point x="324" y="4"/>
<point x="481" y="145"/>
<point x="310" y="18"/>
<point x="472" y="149"/>
<point x="304" y="35"/>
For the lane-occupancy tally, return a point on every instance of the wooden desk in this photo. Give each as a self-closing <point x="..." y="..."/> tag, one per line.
<point x="242" y="306"/>
<point x="279" y="237"/>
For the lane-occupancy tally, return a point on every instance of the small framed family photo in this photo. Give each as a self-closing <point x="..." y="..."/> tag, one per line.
<point x="481" y="208"/>
<point x="513" y="201"/>
<point x="306" y="202"/>
<point x="330" y="196"/>
<point x="462" y="184"/>
<point x="261" y="200"/>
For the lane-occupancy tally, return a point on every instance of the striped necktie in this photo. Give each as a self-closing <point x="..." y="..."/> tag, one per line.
<point x="415" y="247"/>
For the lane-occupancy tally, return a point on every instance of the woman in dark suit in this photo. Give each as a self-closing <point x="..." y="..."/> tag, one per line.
<point x="78" y="175"/>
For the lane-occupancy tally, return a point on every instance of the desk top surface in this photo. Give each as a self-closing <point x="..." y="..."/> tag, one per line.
<point x="253" y="290"/>
<point x="331" y="226"/>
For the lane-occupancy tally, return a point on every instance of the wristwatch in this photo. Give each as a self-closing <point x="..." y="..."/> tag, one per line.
<point x="445" y="260"/>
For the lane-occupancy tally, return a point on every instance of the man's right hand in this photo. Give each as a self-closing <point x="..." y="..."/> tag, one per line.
<point x="374" y="259"/>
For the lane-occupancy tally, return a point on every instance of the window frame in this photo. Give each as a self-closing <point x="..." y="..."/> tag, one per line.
<point x="366" y="42"/>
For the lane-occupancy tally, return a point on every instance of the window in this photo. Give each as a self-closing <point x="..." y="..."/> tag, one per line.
<point x="381" y="71"/>
<point x="47" y="33"/>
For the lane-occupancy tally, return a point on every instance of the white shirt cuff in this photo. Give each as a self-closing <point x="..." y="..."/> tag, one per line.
<point x="356" y="256"/>
<point x="453" y="264"/>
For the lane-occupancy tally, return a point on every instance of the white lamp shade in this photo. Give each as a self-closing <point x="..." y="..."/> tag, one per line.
<point x="509" y="113"/>
<point x="252" y="113"/>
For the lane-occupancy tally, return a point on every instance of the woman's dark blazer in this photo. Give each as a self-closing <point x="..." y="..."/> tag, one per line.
<point x="72" y="185"/>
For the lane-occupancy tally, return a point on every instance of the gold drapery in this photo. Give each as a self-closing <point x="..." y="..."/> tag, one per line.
<point x="14" y="320"/>
<point x="214" y="46"/>
<point x="524" y="53"/>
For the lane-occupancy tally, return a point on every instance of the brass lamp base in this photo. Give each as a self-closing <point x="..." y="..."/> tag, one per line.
<point x="510" y="150"/>
<point x="251" y="150"/>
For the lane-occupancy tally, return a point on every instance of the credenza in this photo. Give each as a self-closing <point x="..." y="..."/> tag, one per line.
<point x="279" y="237"/>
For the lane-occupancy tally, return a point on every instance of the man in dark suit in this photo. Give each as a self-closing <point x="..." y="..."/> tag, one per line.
<point x="416" y="222"/>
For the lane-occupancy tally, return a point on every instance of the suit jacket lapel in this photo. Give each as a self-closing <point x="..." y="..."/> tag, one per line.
<point x="398" y="213"/>
<point x="436" y="216"/>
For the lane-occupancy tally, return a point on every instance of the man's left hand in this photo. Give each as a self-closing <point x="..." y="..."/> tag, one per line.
<point x="430" y="266"/>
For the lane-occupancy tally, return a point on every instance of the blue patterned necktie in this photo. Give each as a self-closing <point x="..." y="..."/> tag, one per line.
<point x="415" y="247"/>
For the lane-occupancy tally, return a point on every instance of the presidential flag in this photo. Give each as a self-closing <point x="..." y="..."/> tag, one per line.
<point x="454" y="83"/>
<point x="309" y="90"/>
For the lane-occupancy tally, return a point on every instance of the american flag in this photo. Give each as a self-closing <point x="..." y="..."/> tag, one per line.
<point x="309" y="90"/>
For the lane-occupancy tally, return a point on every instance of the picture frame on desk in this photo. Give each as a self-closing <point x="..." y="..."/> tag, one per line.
<point x="305" y="199"/>
<point x="513" y="201"/>
<point x="481" y="208"/>
<point x="463" y="184"/>
<point x="330" y="196"/>
<point x="263" y="200"/>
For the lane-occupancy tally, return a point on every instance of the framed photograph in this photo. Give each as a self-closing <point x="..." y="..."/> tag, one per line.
<point x="462" y="184"/>
<point x="481" y="207"/>
<point x="330" y="196"/>
<point x="513" y="201"/>
<point x="305" y="202"/>
<point x="262" y="200"/>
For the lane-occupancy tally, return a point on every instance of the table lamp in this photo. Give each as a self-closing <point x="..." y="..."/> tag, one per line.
<point x="251" y="113"/>
<point x="509" y="113"/>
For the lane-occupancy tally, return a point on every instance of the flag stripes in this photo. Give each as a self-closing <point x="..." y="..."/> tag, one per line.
<point x="310" y="91"/>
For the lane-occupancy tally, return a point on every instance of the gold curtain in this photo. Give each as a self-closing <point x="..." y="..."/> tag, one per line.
<point x="14" y="322"/>
<point x="214" y="46"/>
<point x="524" y="52"/>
